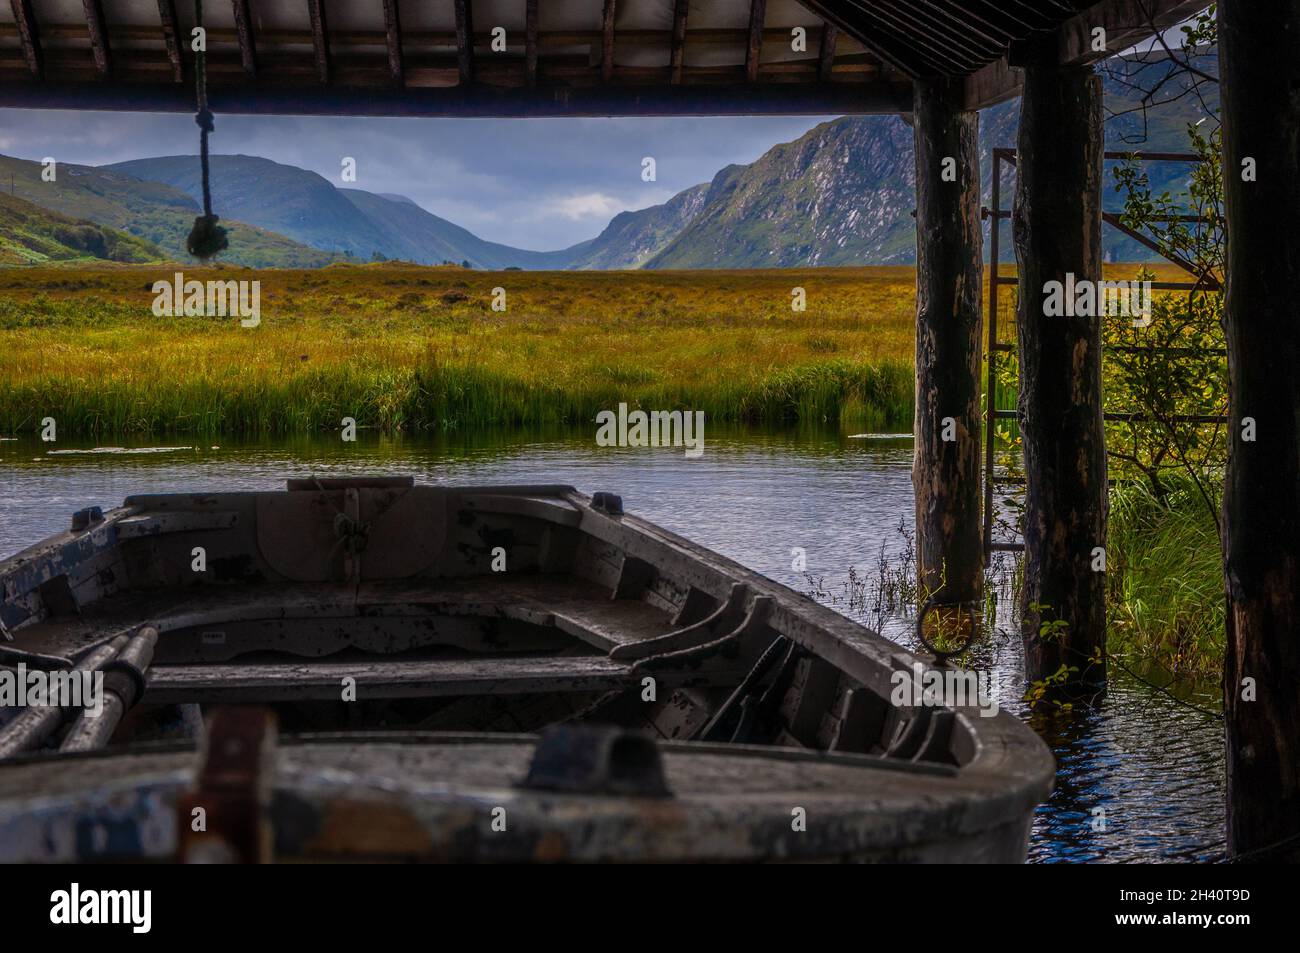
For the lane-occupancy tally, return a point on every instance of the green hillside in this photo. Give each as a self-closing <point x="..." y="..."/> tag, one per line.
<point x="31" y="235"/>
<point x="156" y="213"/>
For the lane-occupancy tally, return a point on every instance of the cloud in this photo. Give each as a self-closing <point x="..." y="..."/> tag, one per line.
<point x="532" y="183"/>
<point x="584" y="205"/>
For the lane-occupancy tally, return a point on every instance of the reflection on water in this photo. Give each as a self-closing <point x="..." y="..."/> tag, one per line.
<point x="1154" y="767"/>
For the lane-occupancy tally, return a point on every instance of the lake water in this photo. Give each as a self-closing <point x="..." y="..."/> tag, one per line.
<point x="1140" y="778"/>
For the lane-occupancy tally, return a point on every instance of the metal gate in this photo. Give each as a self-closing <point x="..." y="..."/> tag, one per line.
<point x="995" y="347"/>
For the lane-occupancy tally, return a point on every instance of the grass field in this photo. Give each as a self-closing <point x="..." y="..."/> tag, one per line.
<point x="413" y="348"/>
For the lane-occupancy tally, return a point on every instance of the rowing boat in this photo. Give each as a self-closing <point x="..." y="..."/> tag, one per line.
<point x="373" y="669"/>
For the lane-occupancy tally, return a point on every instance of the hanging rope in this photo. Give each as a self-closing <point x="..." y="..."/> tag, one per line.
<point x="206" y="237"/>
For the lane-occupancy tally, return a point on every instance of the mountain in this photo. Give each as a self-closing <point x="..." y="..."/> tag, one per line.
<point x="832" y="197"/>
<point x="154" y="212"/>
<point x="416" y="235"/>
<point x="31" y="235"/>
<point x="308" y="208"/>
<point x="280" y="198"/>
<point x="633" y="238"/>
<point x="844" y="192"/>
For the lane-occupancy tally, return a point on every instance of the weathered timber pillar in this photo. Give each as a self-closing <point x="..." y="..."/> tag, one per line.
<point x="1057" y="231"/>
<point x="949" y="323"/>
<point x="1259" y="46"/>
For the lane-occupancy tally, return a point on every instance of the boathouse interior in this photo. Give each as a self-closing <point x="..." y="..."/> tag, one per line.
<point x="935" y="61"/>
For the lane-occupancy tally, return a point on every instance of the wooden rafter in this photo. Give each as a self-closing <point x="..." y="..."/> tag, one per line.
<point x="937" y="59"/>
<point x="98" y="37"/>
<point x="957" y="42"/>
<point x="978" y="39"/>
<point x="393" y="32"/>
<point x="464" y="41"/>
<point x="25" y="19"/>
<point x="607" y="43"/>
<point x="319" y="38"/>
<point x="530" y="43"/>
<point x="826" y="55"/>
<point x="244" y="30"/>
<point x="879" y="42"/>
<point x="167" y="18"/>
<point x="757" y="14"/>
<point x="677" y="57"/>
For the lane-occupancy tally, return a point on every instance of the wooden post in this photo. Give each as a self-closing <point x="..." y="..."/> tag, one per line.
<point x="1259" y="45"/>
<point x="949" y="325"/>
<point x="1057" y="232"/>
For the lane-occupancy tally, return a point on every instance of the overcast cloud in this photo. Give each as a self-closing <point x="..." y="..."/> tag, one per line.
<point x="532" y="183"/>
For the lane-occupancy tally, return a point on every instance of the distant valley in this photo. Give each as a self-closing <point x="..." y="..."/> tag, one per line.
<point x="842" y="194"/>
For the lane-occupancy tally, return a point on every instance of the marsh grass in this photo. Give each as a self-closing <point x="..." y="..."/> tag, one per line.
<point x="403" y="348"/>
<point x="1165" y="575"/>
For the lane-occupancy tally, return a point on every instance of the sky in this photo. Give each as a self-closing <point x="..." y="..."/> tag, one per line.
<point x="540" y="184"/>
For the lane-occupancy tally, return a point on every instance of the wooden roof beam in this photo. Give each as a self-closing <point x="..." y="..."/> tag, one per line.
<point x="677" y="57"/>
<point x="319" y="38"/>
<point x="393" y="33"/>
<point x="689" y="99"/>
<point x="171" y="40"/>
<point x="1127" y="22"/>
<point x="757" y="14"/>
<point x="607" y="43"/>
<point x="98" y="37"/>
<point x="244" y="30"/>
<point x="464" y="41"/>
<point x="25" y="20"/>
<point x="530" y="43"/>
<point x="826" y="55"/>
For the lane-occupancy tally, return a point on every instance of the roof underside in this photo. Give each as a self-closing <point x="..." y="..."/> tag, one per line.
<point x="527" y="57"/>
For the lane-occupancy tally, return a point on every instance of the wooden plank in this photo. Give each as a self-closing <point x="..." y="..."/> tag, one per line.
<point x="167" y="18"/>
<point x="319" y="38"/>
<point x="387" y="678"/>
<point x="464" y="41"/>
<point x="25" y="21"/>
<point x="757" y="13"/>
<point x="678" y="55"/>
<point x="826" y="54"/>
<point x="244" y="30"/>
<point x="607" y="43"/>
<point x="98" y="37"/>
<point x="992" y="84"/>
<point x="530" y="43"/>
<point x="704" y="99"/>
<point x="393" y="36"/>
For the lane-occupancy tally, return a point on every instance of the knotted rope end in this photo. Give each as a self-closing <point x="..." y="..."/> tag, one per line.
<point x="206" y="238"/>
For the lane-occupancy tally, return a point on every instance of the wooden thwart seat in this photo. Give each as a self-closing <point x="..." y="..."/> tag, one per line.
<point x="324" y="681"/>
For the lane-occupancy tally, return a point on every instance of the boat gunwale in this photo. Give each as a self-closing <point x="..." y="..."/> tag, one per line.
<point x="1011" y="765"/>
